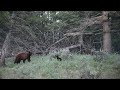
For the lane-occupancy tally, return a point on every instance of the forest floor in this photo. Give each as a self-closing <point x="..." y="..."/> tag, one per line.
<point x="77" y="67"/>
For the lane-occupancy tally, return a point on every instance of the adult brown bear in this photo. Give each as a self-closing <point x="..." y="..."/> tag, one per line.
<point x="23" y="56"/>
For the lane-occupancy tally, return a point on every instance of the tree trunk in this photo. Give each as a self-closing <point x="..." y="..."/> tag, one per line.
<point x="5" y="49"/>
<point x="106" y="33"/>
<point x="81" y="43"/>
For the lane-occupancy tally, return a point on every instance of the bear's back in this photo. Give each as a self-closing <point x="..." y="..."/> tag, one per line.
<point x="22" y="55"/>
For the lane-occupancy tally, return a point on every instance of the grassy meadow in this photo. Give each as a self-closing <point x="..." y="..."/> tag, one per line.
<point x="77" y="67"/>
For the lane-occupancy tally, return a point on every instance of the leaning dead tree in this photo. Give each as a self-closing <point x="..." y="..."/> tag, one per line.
<point x="5" y="49"/>
<point x="6" y="44"/>
<point x="103" y="19"/>
<point x="81" y="29"/>
<point x="83" y="25"/>
<point x="89" y="22"/>
<point x="55" y="43"/>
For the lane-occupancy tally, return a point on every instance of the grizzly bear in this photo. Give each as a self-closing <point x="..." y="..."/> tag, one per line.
<point x="23" y="56"/>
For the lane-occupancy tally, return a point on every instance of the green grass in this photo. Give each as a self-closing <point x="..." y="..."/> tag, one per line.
<point x="79" y="67"/>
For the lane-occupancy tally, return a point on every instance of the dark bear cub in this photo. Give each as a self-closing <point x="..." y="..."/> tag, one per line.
<point x="23" y="56"/>
<point x="58" y="57"/>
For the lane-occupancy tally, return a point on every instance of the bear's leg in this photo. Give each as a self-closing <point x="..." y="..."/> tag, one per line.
<point x="29" y="59"/>
<point x="15" y="62"/>
<point x="60" y="59"/>
<point x="18" y="61"/>
<point x="23" y="61"/>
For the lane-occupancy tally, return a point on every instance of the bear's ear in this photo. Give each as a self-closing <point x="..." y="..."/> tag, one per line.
<point x="30" y="53"/>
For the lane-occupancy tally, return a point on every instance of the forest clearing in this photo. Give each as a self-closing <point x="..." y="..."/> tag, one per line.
<point x="81" y="67"/>
<point x="59" y="44"/>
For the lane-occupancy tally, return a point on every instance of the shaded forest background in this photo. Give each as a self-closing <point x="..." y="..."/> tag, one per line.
<point x="38" y="30"/>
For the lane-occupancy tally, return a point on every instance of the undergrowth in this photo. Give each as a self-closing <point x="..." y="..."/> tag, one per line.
<point x="79" y="67"/>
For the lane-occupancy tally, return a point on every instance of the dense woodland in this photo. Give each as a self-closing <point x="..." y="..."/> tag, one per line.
<point x="42" y="32"/>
